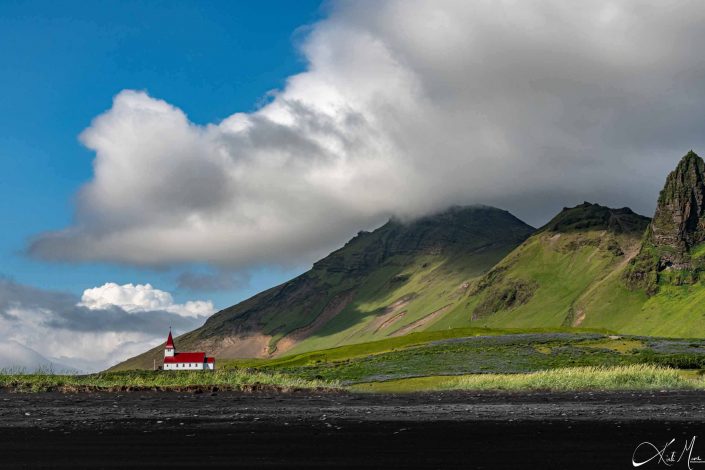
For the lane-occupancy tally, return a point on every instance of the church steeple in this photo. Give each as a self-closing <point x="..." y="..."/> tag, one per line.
<point x="169" y="349"/>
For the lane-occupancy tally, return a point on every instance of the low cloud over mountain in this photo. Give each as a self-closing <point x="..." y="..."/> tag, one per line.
<point x="405" y="107"/>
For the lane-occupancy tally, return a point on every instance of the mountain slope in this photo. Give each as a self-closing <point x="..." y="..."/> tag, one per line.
<point x="397" y="279"/>
<point x="544" y="281"/>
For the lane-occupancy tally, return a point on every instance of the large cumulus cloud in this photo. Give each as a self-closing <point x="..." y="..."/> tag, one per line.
<point x="141" y="298"/>
<point x="405" y="107"/>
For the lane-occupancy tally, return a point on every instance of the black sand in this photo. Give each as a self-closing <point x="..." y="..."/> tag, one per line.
<point x="450" y="430"/>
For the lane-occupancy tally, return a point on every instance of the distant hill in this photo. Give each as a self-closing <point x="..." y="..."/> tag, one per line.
<point x="591" y="266"/>
<point x="15" y="358"/>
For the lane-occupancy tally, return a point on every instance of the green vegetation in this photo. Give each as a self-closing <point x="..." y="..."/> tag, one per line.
<point x="675" y="311"/>
<point x="158" y="380"/>
<point x="513" y="293"/>
<point x="495" y="351"/>
<point x="555" y="270"/>
<point x="633" y="377"/>
<point x="363" y="350"/>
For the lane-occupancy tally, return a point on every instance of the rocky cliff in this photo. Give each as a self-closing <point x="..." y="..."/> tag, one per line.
<point x="669" y="251"/>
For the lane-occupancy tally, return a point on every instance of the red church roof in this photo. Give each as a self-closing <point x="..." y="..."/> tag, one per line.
<point x="170" y="341"/>
<point x="186" y="357"/>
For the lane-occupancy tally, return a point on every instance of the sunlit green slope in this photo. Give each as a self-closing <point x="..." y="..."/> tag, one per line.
<point x="397" y="279"/>
<point x="551" y="278"/>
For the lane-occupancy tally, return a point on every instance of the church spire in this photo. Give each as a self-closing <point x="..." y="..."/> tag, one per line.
<point x="169" y="349"/>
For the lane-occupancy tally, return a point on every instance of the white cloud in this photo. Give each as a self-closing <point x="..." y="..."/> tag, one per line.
<point x="405" y="107"/>
<point x="92" y="337"/>
<point x="141" y="298"/>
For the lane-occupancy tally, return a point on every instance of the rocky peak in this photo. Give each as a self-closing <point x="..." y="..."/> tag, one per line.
<point x="678" y="226"/>
<point x="678" y="222"/>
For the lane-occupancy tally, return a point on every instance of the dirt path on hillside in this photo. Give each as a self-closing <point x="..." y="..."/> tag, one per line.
<point x="421" y="322"/>
<point x="391" y="314"/>
<point x="389" y="321"/>
<point x="580" y="315"/>
<point x="245" y="346"/>
<point x="334" y="307"/>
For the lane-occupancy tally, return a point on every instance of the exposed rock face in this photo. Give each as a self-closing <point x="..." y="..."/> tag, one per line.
<point x="678" y="222"/>
<point x="677" y="228"/>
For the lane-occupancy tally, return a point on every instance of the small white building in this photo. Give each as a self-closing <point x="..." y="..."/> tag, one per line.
<point x="185" y="360"/>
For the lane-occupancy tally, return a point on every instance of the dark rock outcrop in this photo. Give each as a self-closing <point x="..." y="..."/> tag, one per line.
<point x="668" y="250"/>
<point x="588" y="216"/>
<point x="678" y="222"/>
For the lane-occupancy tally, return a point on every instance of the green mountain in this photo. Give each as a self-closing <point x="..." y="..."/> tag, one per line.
<point x="594" y="267"/>
<point x="397" y="279"/>
<point x="590" y="267"/>
<point x="547" y="279"/>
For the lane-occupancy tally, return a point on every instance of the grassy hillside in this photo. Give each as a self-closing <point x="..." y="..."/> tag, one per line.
<point x="395" y="280"/>
<point x="677" y="311"/>
<point x="549" y="280"/>
<point x="572" y="273"/>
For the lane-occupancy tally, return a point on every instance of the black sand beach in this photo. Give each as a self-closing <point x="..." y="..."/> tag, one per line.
<point x="300" y="430"/>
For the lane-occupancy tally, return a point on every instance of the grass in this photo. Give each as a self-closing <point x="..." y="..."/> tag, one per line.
<point x="564" y="266"/>
<point x="432" y="354"/>
<point x="627" y="377"/>
<point x="620" y="345"/>
<point x="433" y="281"/>
<point x="151" y="380"/>
<point x="632" y="377"/>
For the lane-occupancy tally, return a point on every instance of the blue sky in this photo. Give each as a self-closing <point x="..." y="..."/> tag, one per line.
<point x="63" y="62"/>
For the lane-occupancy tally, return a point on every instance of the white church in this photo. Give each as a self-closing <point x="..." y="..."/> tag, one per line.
<point x="185" y="360"/>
